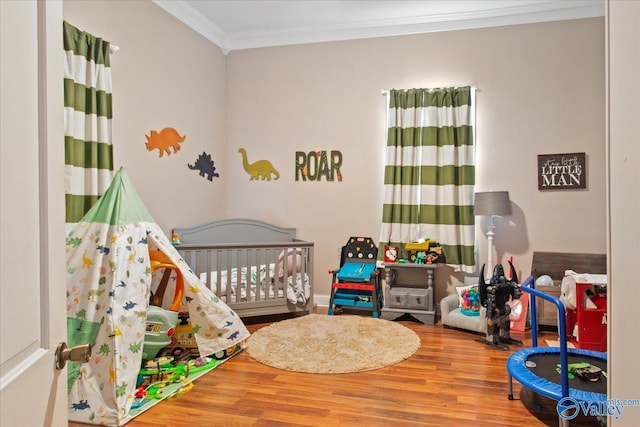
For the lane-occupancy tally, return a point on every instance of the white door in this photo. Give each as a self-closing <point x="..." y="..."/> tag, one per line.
<point x="32" y="288"/>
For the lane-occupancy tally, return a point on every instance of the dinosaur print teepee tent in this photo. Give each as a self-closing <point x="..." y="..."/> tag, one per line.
<point x="109" y="282"/>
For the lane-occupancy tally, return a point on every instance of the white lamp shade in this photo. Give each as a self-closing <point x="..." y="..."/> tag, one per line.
<point x="492" y="203"/>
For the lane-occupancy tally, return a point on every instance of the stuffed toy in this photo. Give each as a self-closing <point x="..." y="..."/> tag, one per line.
<point x="470" y="302"/>
<point x="289" y="264"/>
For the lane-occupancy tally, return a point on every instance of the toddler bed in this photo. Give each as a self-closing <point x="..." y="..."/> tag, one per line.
<point x="255" y="267"/>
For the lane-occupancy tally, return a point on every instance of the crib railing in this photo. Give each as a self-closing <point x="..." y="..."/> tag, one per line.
<point x="253" y="279"/>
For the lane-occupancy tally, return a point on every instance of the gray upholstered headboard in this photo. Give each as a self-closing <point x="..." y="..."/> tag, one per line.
<point x="235" y="230"/>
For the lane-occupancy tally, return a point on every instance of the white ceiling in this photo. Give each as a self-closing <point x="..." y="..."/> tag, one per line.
<point x="245" y="24"/>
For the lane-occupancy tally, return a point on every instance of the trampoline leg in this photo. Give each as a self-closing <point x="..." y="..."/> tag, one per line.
<point x="562" y="422"/>
<point x="510" y="384"/>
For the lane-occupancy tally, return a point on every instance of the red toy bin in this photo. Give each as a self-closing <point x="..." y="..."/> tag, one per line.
<point x="589" y="325"/>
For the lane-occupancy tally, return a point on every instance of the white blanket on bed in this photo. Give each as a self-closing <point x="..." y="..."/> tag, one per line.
<point x="245" y="282"/>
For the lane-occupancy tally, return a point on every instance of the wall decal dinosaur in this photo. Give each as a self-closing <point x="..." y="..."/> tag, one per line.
<point x="205" y="165"/>
<point x="261" y="169"/>
<point x="164" y="140"/>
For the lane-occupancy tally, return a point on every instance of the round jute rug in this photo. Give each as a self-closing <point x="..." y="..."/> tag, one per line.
<point x="322" y="344"/>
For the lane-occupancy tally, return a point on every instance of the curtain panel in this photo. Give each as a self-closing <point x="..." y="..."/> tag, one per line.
<point x="87" y="121"/>
<point x="429" y="174"/>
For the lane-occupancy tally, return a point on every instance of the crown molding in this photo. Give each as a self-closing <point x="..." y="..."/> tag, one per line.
<point x="515" y="15"/>
<point x="181" y="10"/>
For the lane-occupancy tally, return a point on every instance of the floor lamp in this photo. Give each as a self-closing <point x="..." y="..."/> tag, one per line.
<point x="492" y="204"/>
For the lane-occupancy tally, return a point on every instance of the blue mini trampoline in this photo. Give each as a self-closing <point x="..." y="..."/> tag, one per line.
<point x="536" y="367"/>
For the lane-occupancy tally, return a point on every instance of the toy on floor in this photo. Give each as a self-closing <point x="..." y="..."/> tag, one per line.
<point x="157" y="374"/>
<point x="158" y="390"/>
<point x="161" y="323"/>
<point x="356" y="283"/>
<point x="494" y="296"/>
<point x="183" y="343"/>
<point x="534" y="367"/>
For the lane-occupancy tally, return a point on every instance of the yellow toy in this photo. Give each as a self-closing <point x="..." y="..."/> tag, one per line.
<point x="424" y="251"/>
<point x="418" y="246"/>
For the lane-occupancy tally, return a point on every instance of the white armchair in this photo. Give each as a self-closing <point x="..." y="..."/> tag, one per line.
<point x="452" y="316"/>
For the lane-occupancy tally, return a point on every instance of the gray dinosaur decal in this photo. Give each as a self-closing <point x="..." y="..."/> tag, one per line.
<point x="205" y="165"/>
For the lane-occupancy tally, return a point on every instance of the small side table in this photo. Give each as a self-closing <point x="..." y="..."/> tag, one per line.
<point x="409" y="298"/>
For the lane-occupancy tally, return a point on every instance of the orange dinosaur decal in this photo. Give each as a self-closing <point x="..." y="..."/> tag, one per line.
<point x="164" y="141"/>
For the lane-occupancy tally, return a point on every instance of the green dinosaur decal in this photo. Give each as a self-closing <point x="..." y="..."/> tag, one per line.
<point x="261" y="169"/>
<point x="104" y="350"/>
<point x="135" y="347"/>
<point x="81" y="315"/>
<point x="74" y="241"/>
<point x="121" y="389"/>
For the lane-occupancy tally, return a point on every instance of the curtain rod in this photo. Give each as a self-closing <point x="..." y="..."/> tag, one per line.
<point x="114" y="48"/>
<point x="384" y="92"/>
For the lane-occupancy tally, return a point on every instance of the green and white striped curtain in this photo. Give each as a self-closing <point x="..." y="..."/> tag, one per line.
<point x="429" y="173"/>
<point x="87" y="121"/>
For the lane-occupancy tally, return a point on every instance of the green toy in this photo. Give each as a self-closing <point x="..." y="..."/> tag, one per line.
<point x="583" y="370"/>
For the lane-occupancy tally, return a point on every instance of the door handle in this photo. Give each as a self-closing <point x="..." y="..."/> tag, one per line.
<point x="78" y="354"/>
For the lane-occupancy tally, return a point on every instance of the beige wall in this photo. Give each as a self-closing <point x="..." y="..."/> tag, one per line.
<point x="540" y="91"/>
<point x="164" y="75"/>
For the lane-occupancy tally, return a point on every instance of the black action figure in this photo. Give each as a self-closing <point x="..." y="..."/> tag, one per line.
<point x="494" y="296"/>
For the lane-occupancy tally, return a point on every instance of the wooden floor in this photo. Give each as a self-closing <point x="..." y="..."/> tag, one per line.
<point x="451" y="381"/>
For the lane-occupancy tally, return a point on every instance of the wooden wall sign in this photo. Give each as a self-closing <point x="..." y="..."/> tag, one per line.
<point x="562" y="171"/>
